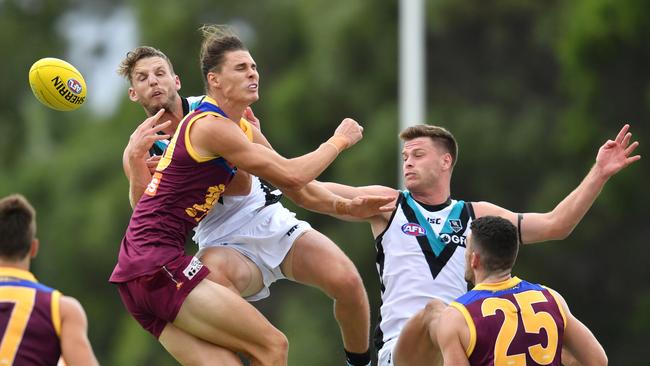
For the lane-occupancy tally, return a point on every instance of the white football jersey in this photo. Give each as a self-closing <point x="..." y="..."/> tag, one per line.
<point x="233" y="212"/>
<point x="420" y="257"/>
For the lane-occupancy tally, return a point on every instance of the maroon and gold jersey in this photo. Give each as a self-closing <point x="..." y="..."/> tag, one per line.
<point x="513" y="323"/>
<point x="30" y="322"/>
<point x="182" y="191"/>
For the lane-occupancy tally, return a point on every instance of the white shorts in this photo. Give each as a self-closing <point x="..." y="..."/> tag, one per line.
<point x="265" y="240"/>
<point x="385" y="354"/>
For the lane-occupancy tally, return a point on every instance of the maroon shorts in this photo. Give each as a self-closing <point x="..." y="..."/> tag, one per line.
<point x="154" y="300"/>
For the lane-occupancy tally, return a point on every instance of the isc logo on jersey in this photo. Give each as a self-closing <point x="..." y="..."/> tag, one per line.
<point x="413" y="229"/>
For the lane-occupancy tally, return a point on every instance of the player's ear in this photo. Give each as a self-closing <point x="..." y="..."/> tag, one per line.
<point x="447" y="161"/>
<point x="474" y="259"/>
<point x="177" y="82"/>
<point x="214" y="80"/>
<point x="133" y="95"/>
<point x="33" y="250"/>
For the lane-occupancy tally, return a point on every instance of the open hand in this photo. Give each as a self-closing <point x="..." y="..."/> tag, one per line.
<point x="363" y="207"/>
<point x="250" y="117"/>
<point x="146" y="134"/>
<point x="615" y="155"/>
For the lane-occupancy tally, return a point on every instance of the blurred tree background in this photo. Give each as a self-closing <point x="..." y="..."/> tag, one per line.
<point x="531" y="90"/>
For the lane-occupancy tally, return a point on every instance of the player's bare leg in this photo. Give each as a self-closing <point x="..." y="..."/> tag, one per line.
<point x="315" y="260"/>
<point x="233" y="270"/>
<point x="217" y="315"/>
<point x="189" y="350"/>
<point x="415" y="345"/>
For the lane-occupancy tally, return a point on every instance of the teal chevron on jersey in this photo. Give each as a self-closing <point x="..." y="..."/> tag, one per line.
<point x="436" y="244"/>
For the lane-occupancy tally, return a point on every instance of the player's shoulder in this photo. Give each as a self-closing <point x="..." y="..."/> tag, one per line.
<point x="71" y="308"/>
<point x="452" y="318"/>
<point x="558" y="297"/>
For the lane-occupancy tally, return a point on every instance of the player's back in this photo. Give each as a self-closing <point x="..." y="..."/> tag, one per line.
<point x="513" y="323"/>
<point x="30" y="322"/>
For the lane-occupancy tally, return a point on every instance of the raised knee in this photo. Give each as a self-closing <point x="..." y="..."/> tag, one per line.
<point x="351" y="280"/>
<point x="348" y="284"/>
<point x="277" y="348"/>
<point x="215" y="259"/>
<point x="227" y="269"/>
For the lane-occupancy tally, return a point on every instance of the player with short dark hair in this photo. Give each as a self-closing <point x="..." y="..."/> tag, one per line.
<point x="421" y="245"/>
<point x="504" y="320"/>
<point x="40" y="324"/>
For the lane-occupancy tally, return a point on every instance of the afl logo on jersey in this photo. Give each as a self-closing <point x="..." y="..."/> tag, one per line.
<point x="75" y="86"/>
<point x="413" y="229"/>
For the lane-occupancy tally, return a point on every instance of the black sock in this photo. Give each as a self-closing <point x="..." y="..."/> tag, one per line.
<point x="357" y="359"/>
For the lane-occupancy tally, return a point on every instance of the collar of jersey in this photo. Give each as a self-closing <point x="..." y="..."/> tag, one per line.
<point x="498" y="286"/>
<point x="437" y="246"/>
<point x="428" y="207"/>
<point x="211" y="101"/>
<point x="17" y="273"/>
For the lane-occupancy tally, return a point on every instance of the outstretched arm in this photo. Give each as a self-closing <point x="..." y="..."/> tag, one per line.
<point x="315" y="197"/>
<point x="135" y="159"/>
<point x="352" y="192"/>
<point x="557" y="224"/>
<point x="227" y="140"/>
<point x="75" y="347"/>
<point x="578" y="339"/>
<point x="377" y="222"/>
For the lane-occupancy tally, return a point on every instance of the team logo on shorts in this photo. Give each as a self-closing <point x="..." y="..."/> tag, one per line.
<point x="193" y="268"/>
<point x="456" y="225"/>
<point x="413" y="229"/>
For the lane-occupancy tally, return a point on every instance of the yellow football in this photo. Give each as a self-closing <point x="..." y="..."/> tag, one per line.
<point x="57" y="84"/>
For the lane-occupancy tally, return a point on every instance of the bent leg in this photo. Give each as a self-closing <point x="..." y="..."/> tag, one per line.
<point x="189" y="350"/>
<point x="315" y="260"/>
<point x="417" y="345"/>
<point x="231" y="269"/>
<point x="217" y="315"/>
